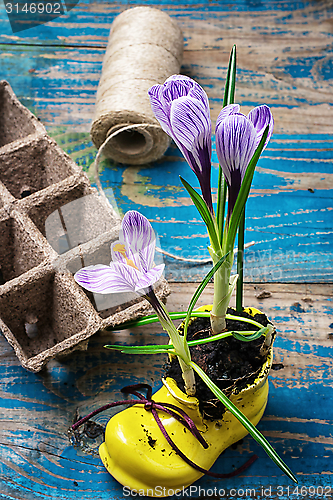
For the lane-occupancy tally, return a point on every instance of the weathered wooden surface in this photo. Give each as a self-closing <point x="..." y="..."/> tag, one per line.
<point x="284" y="60"/>
<point x="39" y="462"/>
<point x="284" y="57"/>
<point x="289" y="213"/>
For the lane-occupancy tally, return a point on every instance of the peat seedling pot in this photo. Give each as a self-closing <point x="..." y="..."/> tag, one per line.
<point x="138" y="455"/>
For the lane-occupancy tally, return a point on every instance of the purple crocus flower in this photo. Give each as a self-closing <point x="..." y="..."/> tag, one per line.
<point x="132" y="268"/>
<point x="182" y="108"/>
<point x="237" y="138"/>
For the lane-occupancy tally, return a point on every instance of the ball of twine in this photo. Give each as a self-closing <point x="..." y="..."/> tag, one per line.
<point x="145" y="47"/>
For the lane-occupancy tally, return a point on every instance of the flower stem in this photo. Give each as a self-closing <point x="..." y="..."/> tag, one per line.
<point x="240" y="263"/>
<point x="221" y="201"/>
<point x="222" y="293"/>
<point x="180" y="345"/>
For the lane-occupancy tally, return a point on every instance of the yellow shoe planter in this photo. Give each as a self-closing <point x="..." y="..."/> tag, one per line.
<point x="136" y="453"/>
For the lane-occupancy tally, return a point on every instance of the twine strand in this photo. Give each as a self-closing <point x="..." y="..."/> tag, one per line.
<point x="145" y="47"/>
<point x="115" y="213"/>
<point x="101" y="152"/>
<point x="172" y="410"/>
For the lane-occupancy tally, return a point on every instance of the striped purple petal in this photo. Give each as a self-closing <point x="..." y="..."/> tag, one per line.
<point x="139" y="238"/>
<point x="235" y="145"/>
<point x="132" y="268"/>
<point x="182" y="108"/>
<point x="149" y="278"/>
<point x="261" y="116"/>
<point x="115" y="278"/>
<point x="191" y="125"/>
<point x="237" y="138"/>
<point x="231" y="109"/>
<point x="162" y="96"/>
<point x="175" y="87"/>
<point x="160" y="108"/>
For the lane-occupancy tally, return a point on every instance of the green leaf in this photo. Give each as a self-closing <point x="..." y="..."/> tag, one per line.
<point x="230" y="83"/>
<point x="146" y="320"/>
<point x="204" y="212"/>
<point x="219" y="336"/>
<point x="228" y="98"/>
<point x="221" y="202"/>
<point x="240" y="263"/>
<point x="245" y="422"/>
<point x="244" y="192"/>
<point x="246" y="320"/>
<point x="199" y="291"/>
<point x="138" y="349"/>
<point x="153" y="318"/>
<point x="166" y="348"/>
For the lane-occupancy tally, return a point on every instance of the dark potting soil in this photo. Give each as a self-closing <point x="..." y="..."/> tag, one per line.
<point x="230" y="363"/>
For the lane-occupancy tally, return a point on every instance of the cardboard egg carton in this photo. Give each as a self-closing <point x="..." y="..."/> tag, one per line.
<point x="52" y="223"/>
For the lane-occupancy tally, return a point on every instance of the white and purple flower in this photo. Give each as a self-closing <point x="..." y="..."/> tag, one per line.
<point x="182" y="108"/>
<point x="237" y="138"/>
<point x="132" y="268"/>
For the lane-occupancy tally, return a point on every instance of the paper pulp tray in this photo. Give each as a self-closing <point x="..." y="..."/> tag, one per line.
<point x="52" y="223"/>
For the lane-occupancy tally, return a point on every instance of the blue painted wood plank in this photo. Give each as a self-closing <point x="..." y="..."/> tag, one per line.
<point x="271" y="72"/>
<point x="87" y="15"/>
<point x="284" y="60"/>
<point x="289" y="212"/>
<point x="39" y="462"/>
<point x="289" y="215"/>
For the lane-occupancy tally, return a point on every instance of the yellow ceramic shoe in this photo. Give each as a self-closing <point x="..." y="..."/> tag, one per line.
<point x="136" y="453"/>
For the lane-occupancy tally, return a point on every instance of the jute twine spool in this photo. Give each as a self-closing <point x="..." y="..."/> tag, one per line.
<point x="145" y="47"/>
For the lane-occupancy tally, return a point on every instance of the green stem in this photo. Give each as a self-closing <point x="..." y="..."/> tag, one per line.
<point x="165" y="348"/>
<point x="222" y="294"/>
<point x="247" y="320"/>
<point x="153" y="318"/>
<point x="201" y="288"/>
<point x="180" y="345"/>
<point x="221" y="201"/>
<point x="240" y="263"/>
